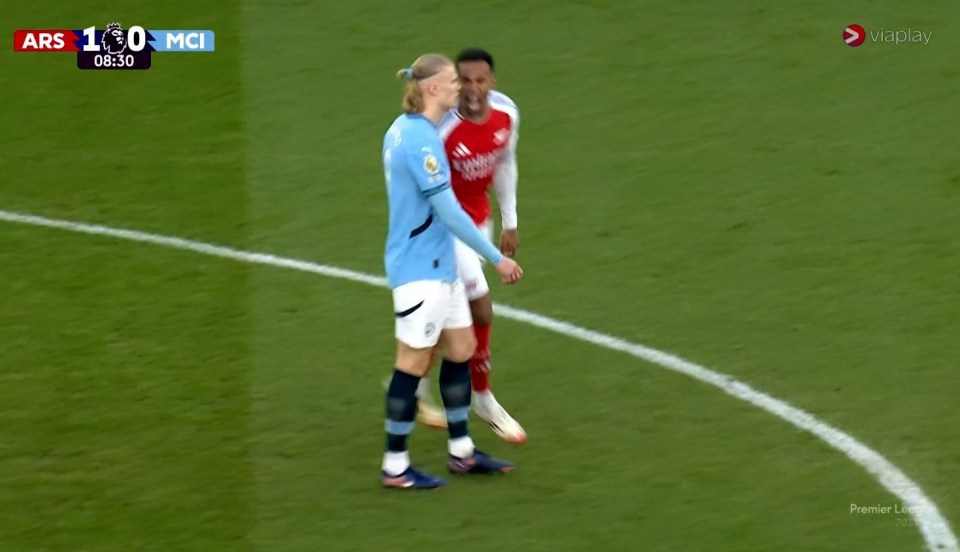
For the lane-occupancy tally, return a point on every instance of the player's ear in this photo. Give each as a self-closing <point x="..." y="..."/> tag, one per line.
<point x="493" y="81"/>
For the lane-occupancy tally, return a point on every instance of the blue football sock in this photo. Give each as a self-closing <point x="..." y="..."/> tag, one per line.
<point x="455" y="391"/>
<point x="401" y="409"/>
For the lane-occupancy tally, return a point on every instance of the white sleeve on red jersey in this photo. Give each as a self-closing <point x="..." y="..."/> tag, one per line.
<point x="506" y="175"/>
<point x="448" y="122"/>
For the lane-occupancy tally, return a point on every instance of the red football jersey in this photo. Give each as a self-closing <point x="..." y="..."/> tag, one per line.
<point x="475" y="150"/>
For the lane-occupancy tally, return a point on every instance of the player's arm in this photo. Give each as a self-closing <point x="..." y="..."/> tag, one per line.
<point x="452" y="215"/>
<point x="505" y="183"/>
<point x="433" y="179"/>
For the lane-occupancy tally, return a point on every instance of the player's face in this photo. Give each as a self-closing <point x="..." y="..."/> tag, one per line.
<point x="476" y="81"/>
<point x="446" y="86"/>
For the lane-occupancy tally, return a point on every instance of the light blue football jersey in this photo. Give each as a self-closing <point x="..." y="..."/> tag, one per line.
<point x="419" y="247"/>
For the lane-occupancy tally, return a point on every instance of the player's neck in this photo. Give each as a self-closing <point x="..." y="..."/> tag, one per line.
<point x="434" y="113"/>
<point x="478" y="118"/>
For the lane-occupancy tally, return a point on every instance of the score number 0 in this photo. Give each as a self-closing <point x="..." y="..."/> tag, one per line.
<point x="136" y="39"/>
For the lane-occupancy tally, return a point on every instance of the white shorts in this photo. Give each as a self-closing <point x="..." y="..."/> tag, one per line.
<point x="426" y="307"/>
<point x="470" y="266"/>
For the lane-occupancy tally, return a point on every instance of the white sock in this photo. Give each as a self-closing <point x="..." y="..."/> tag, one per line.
<point x="485" y="398"/>
<point x="461" y="447"/>
<point x="395" y="463"/>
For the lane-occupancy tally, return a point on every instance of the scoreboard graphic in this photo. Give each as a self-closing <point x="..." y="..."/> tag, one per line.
<point x="113" y="48"/>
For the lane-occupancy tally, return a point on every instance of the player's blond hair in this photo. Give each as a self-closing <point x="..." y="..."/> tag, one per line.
<point x="423" y="68"/>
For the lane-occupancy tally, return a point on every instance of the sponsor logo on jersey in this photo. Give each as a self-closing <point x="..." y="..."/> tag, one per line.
<point x="478" y="167"/>
<point x="461" y="150"/>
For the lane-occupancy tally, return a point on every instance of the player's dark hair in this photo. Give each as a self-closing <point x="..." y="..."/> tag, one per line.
<point x="475" y="54"/>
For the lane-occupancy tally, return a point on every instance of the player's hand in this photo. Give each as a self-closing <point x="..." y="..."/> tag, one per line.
<point x="510" y="271"/>
<point x="509" y="242"/>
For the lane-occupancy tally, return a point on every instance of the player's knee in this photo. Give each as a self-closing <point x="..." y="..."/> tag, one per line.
<point x="413" y="361"/>
<point x="482" y="310"/>
<point x="463" y="350"/>
<point x="483" y="316"/>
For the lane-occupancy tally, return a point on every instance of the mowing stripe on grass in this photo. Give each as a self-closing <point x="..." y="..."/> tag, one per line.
<point x="934" y="528"/>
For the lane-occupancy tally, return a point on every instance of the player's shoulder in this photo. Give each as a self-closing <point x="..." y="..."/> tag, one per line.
<point x="450" y="120"/>
<point x="416" y="130"/>
<point x="413" y="123"/>
<point x="501" y="102"/>
<point x="498" y="98"/>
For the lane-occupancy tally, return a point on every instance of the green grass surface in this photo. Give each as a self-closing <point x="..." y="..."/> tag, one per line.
<point x="727" y="182"/>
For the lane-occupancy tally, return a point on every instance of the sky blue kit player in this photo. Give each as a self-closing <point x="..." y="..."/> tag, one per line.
<point x="430" y="302"/>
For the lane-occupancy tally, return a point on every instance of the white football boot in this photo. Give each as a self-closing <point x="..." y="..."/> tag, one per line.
<point x="487" y="408"/>
<point x="429" y="414"/>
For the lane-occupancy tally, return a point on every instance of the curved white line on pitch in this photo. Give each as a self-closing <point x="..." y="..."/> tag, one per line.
<point x="934" y="528"/>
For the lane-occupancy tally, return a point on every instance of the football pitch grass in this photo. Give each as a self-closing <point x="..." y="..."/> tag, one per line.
<point x="726" y="182"/>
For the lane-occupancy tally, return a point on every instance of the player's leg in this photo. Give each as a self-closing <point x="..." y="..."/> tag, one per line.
<point x="429" y="412"/>
<point x="420" y="309"/>
<point x="459" y="345"/>
<point x="485" y="404"/>
<point x="470" y="270"/>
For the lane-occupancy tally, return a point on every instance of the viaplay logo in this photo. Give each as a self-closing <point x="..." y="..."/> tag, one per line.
<point x="854" y="35"/>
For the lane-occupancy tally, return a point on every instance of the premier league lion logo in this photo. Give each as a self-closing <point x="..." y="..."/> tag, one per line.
<point x="114" y="40"/>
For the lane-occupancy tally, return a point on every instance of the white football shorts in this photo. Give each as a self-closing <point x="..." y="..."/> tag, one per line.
<point x="470" y="265"/>
<point x="426" y="307"/>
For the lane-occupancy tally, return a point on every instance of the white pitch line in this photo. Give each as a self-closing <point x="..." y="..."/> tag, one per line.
<point x="934" y="528"/>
